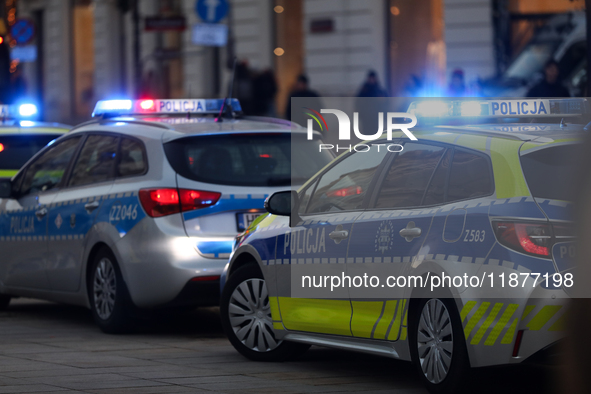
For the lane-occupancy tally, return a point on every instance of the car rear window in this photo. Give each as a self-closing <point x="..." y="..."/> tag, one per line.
<point x="549" y="172"/>
<point x="246" y="159"/>
<point x="16" y="150"/>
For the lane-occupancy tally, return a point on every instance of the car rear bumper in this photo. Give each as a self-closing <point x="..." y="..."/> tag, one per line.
<point x="159" y="261"/>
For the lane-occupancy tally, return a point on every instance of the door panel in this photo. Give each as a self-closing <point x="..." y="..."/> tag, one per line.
<point x="386" y="239"/>
<point x="76" y="208"/>
<point x="328" y="209"/>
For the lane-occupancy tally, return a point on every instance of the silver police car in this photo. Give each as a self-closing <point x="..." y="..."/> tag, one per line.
<point x="140" y="206"/>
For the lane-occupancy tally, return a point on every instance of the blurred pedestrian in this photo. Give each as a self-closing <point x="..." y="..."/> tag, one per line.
<point x="550" y="86"/>
<point x="243" y="87"/>
<point x="19" y="84"/>
<point x="264" y="88"/>
<point x="301" y="89"/>
<point x="371" y="87"/>
<point x="457" y="85"/>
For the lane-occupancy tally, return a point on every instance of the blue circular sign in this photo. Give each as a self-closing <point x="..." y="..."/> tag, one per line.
<point x="22" y="31"/>
<point x="212" y="11"/>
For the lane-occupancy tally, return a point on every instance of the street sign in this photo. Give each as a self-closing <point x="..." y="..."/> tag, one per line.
<point x="23" y="31"/>
<point x="210" y="34"/>
<point x="171" y="23"/>
<point x="212" y="11"/>
<point x="24" y="54"/>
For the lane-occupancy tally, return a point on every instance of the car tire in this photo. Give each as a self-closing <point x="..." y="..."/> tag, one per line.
<point x="4" y="301"/>
<point x="437" y="345"/>
<point x="109" y="299"/>
<point x="246" y="318"/>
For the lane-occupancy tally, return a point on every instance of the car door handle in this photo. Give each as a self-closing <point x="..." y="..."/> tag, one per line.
<point x="41" y="213"/>
<point x="410" y="232"/>
<point x="338" y="234"/>
<point x="91" y="206"/>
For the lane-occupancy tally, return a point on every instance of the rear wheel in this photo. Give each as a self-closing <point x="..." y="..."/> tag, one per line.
<point x="4" y="301"/>
<point x="109" y="299"/>
<point x="438" y="347"/>
<point x="246" y="318"/>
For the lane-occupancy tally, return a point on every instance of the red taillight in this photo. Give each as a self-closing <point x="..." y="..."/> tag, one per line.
<point x="196" y="199"/>
<point x="531" y="238"/>
<point x="162" y="202"/>
<point x="1" y="147"/>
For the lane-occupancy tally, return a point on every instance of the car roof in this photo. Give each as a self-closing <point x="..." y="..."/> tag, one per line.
<point x="21" y="128"/>
<point x="169" y="128"/>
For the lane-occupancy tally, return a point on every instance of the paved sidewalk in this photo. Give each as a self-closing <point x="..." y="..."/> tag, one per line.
<point x="46" y="347"/>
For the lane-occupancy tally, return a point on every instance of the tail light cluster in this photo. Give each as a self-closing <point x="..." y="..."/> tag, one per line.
<point x="162" y="202"/>
<point x="535" y="239"/>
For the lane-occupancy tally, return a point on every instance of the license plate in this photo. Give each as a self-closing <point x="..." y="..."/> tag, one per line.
<point x="245" y="219"/>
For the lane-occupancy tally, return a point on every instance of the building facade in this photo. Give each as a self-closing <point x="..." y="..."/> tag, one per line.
<point x="89" y="50"/>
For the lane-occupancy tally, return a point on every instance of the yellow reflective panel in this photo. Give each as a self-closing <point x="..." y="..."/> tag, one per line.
<point x="384" y="325"/>
<point x="274" y="304"/>
<point x="7" y="173"/>
<point x="366" y="314"/>
<point x="320" y="316"/>
<point x="509" y="179"/>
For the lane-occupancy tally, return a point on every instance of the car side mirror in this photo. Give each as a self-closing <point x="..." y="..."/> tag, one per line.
<point x="282" y="203"/>
<point x="5" y="188"/>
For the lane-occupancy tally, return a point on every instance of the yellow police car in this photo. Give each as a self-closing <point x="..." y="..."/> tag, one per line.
<point x="452" y="253"/>
<point x="21" y="137"/>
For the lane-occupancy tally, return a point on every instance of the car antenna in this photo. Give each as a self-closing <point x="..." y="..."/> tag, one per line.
<point x="230" y="92"/>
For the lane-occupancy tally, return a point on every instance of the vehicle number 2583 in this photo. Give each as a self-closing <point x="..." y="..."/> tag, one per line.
<point x="474" y="236"/>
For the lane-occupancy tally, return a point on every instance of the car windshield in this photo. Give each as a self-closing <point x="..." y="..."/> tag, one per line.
<point x="549" y="172"/>
<point x="16" y="150"/>
<point x="266" y="159"/>
<point x="531" y="60"/>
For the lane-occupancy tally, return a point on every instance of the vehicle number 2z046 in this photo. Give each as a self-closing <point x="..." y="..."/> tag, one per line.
<point x="123" y="212"/>
<point x="474" y="236"/>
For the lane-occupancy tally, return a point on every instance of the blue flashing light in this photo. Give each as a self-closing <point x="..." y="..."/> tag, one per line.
<point x="27" y="110"/>
<point x="26" y="123"/>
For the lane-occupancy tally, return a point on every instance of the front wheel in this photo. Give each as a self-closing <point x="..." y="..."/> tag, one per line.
<point x="438" y="347"/>
<point x="109" y="299"/>
<point x="246" y="318"/>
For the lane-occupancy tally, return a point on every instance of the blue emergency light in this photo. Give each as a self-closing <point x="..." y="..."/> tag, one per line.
<point x="509" y="108"/>
<point x="163" y="107"/>
<point x="21" y="111"/>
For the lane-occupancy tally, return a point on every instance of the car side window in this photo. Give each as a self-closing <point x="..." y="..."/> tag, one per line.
<point x="305" y="197"/>
<point x="344" y="186"/>
<point x="132" y="160"/>
<point x="470" y="176"/>
<point x="47" y="171"/>
<point x="408" y="176"/>
<point x="96" y="160"/>
<point x="436" y="191"/>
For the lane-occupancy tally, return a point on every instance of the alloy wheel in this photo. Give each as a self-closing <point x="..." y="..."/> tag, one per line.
<point x="250" y="316"/>
<point x="435" y="341"/>
<point x="104" y="288"/>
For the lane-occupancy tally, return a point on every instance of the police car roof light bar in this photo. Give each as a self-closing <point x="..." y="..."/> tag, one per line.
<point x="20" y="111"/>
<point x="501" y="108"/>
<point x="113" y="108"/>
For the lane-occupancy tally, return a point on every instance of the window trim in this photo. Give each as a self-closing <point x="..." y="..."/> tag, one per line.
<point x="374" y="198"/>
